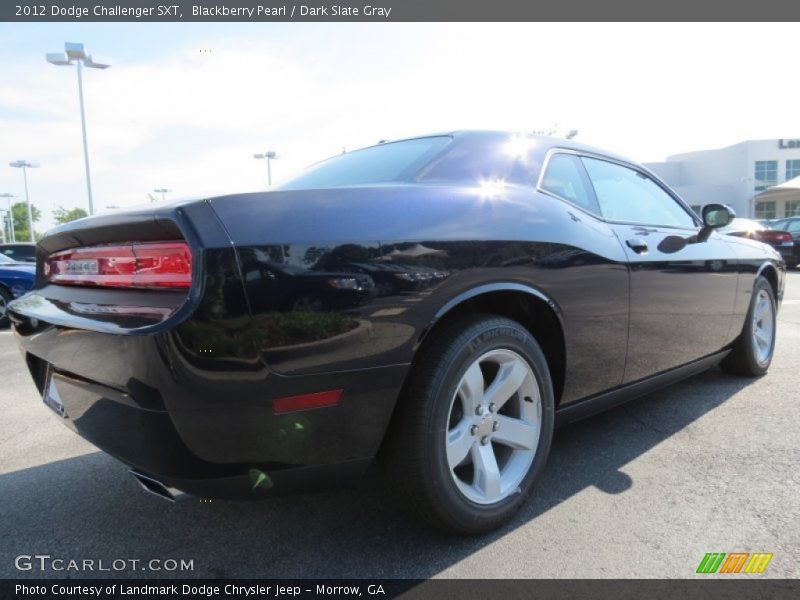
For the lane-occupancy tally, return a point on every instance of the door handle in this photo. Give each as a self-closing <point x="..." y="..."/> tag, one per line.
<point x="637" y="245"/>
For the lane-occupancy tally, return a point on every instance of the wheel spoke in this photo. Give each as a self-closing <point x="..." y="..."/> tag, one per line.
<point x="509" y="379"/>
<point x="487" y="473"/>
<point x="761" y="307"/>
<point x="762" y="338"/>
<point x="516" y="433"/>
<point x="471" y="389"/>
<point x="459" y="441"/>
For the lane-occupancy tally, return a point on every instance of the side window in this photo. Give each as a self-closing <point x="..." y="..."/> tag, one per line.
<point x="566" y="178"/>
<point x="630" y="196"/>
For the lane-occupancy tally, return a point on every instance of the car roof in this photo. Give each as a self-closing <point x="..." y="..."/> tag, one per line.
<point x="540" y="143"/>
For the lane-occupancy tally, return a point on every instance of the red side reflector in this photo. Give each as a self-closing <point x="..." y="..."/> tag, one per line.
<point x="166" y="265"/>
<point x="307" y="401"/>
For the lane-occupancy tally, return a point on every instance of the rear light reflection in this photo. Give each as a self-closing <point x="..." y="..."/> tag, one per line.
<point x="165" y="265"/>
<point x="307" y="401"/>
<point x="776" y="236"/>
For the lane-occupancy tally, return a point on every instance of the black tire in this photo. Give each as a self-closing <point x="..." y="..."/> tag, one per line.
<point x="5" y="298"/>
<point x="743" y="359"/>
<point x="415" y="450"/>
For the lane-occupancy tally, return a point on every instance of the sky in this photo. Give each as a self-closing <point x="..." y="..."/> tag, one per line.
<point x="185" y="106"/>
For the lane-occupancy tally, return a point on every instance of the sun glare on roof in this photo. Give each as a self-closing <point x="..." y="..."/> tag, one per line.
<point x="518" y="146"/>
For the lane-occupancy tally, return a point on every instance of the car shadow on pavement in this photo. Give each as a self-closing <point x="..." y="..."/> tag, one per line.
<point x="88" y="507"/>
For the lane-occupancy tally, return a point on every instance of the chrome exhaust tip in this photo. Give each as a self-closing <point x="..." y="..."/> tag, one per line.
<point x="154" y="486"/>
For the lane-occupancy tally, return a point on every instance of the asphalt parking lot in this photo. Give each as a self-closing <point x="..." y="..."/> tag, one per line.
<point x="645" y="490"/>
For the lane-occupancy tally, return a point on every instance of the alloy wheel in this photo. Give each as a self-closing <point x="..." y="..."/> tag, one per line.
<point x="763" y="327"/>
<point x="494" y="425"/>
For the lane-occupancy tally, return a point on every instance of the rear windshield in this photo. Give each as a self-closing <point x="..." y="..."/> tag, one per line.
<point x="384" y="163"/>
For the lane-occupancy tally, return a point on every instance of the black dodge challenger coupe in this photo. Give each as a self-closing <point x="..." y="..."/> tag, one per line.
<point x="569" y="280"/>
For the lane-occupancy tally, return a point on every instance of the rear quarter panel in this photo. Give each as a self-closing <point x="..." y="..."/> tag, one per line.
<point x="515" y="238"/>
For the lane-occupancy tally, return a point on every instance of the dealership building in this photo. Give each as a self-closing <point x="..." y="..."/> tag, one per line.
<point x="758" y="178"/>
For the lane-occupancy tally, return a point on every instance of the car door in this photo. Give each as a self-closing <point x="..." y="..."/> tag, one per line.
<point x="682" y="290"/>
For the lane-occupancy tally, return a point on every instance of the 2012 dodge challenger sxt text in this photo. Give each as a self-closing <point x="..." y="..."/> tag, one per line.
<point x="441" y="302"/>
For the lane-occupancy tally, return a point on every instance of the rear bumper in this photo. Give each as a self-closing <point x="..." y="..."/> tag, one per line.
<point x="790" y="253"/>
<point x="204" y="427"/>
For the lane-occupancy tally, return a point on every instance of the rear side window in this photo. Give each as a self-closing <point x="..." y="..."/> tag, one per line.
<point x="384" y="163"/>
<point x="566" y="178"/>
<point x="629" y="196"/>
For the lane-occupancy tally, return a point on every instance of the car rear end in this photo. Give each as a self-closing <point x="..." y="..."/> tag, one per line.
<point x="134" y="334"/>
<point x="791" y="225"/>
<point x="16" y="278"/>
<point x="782" y="242"/>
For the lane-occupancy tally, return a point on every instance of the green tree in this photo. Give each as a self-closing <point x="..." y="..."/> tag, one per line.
<point x="20" y="213"/>
<point x="62" y="215"/>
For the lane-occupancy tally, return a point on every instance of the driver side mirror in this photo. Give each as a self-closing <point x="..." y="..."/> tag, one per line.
<point x="717" y="215"/>
<point x="714" y="217"/>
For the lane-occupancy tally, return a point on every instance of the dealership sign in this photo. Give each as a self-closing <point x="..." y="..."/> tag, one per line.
<point x="785" y="144"/>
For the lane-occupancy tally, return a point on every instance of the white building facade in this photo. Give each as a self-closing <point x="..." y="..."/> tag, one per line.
<point x="736" y="175"/>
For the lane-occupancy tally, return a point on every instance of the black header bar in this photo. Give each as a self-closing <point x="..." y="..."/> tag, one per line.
<point x="396" y="10"/>
<point x="732" y="588"/>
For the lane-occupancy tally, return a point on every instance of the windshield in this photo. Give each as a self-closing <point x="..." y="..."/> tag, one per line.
<point x="384" y="163"/>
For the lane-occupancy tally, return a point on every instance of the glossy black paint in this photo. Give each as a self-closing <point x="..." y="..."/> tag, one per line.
<point x="197" y="372"/>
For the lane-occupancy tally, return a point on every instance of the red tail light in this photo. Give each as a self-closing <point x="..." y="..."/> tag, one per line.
<point x="166" y="265"/>
<point x="772" y="235"/>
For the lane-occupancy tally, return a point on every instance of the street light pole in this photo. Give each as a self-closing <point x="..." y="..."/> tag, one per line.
<point x="8" y="197"/>
<point x="25" y="165"/>
<point x="163" y="192"/>
<point x="79" y="69"/>
<point x="28" y="202"/>
<point x="77" y="53"/>
<point x="269" y="156"/>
